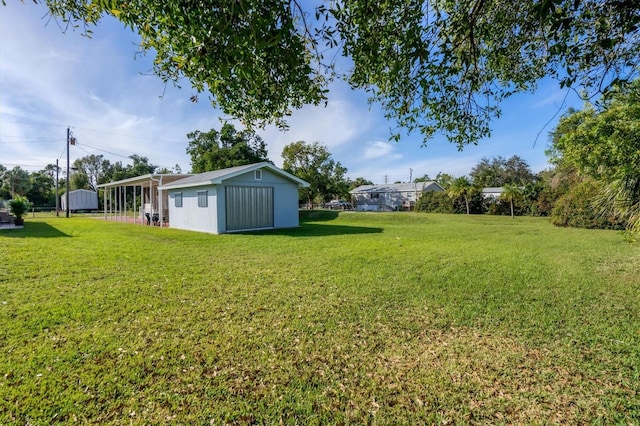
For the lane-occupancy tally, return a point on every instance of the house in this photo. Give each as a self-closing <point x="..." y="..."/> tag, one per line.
<point x="392" y="197"/>
<point x="493" y="192"/>
<point x="81" y="199"/>
<point x="250" y="197"/>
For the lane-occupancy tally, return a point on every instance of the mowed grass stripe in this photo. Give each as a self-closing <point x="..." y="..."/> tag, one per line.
<point x="351" y="318"/>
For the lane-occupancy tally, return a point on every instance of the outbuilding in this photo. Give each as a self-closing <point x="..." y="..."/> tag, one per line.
<point x="81" y="199"/>
<point x="250" y="197"/>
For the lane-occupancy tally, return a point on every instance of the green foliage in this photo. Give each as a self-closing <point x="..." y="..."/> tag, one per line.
<point x="359" y="181"/>
<point x="92" y="170"/>
<point x="15" y="181"/>
<point x="605" y="145"/>
<point x="313" y="163"/>
<point x="577" y="208"/>
<point x="500" y="171"/>
<point x="444" y="179"/>
<point x="353" y="318"/>
<point x="461" y="188"/>
<point x="436" y="202"/>
<point x="19" y="206"/>
<point x="215" y="150"/>
<point x="42" y="192"/>
<point x="512" y="194"/>
<point x="441" y="66"/>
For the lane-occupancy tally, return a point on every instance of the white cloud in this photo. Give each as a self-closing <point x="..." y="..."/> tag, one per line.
<point x="380" y="149"/>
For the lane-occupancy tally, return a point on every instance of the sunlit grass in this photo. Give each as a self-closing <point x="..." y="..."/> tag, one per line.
<point x="356" y="318"/>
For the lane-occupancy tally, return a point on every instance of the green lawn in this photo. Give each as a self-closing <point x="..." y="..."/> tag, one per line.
<point x="353" y="319"/>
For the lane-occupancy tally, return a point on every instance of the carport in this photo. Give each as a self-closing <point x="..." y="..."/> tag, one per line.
<point x="143" y="194"/>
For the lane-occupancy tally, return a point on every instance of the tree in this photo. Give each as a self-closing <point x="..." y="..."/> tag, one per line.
<point x="4" y="192"/>
<point x="500" y="171"/>
<point x="359" y="181"/>
<point x="42" y="192"/>
<point x="313" y="163"/>
<point x="433" y="65"/>
<point x="461" y="187"/>
<point x="215" y="150"/>
<point x="91" y="171"/>
<point x="604" y="144"/>
<point x="511" y="193"/>
<point x="444" y="179"/>
<point x="140" y="166"/>
<point x="16" y="181"/>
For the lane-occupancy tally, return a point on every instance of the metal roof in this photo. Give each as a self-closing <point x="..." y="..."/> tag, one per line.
<point x="144" y="179"/>
<point x="217" y="176"/>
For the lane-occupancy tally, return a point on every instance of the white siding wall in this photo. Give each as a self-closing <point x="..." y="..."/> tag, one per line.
<point x="190" y="216"/>
<point x="212" y="219"/>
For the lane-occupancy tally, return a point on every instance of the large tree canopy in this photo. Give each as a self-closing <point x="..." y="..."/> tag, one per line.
<point x="434" y="65"/>
<point x="500" y="171"/>
<point x="215" y="150"/>
<point x="313" y="163"/>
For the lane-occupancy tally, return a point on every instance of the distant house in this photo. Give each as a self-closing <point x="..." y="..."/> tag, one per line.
<point x="81" y="199"/>
<point x="493" y="192"/>
<point x="251" y="197"/>
<point x="392" y="197"/>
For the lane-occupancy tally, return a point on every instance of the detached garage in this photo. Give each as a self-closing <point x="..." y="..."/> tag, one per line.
<point x="251" y="197"/>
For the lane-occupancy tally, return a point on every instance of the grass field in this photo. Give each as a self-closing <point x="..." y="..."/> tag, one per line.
<point x="355" y="318"/>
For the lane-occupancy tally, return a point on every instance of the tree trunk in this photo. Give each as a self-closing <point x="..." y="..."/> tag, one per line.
<point x="466" y="202"/>
<point x="511" y="203"/>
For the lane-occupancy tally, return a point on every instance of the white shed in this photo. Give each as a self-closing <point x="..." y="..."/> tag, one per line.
<point x="81" y="199"/>
<point x="250" y="197"/>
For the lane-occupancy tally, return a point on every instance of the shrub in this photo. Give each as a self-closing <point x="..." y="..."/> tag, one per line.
<point x="435" y="202"/>
<point x="576" y="209"/>
<point x="18" y="207"/>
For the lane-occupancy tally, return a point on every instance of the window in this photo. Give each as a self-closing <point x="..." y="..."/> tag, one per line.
<point x="177" y="197"/>
<point x="375" y="195"/>
<point x="203" y="200"/>
<point x="258" y="174"/>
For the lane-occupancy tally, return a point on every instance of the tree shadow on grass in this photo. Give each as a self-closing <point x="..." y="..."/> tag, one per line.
<point x="33" y="230"/>
<point x="310" y="228"/>
<point x="318" y="215"/>
<point x="317" y="230"/>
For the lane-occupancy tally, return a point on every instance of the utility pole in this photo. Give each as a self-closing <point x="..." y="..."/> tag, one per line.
<point x="57" y="194"/>
<point x="66" y="194"/>
<point x="410" y="175"/>
<point x="385" y="179"/>
<point x="70" y="141"/>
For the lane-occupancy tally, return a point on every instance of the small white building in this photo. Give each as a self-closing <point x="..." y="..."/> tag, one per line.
<point x="80" y="199"/>
<point x="492" y="192"/>
<point x="391" y="197"/>
<point x="251" y="197"/>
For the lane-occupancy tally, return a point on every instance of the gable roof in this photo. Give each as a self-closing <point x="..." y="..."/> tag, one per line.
<point x="398" y="187"/>
<point x="217" y="176"/>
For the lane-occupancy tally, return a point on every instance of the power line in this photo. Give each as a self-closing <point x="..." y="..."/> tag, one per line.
<point x="30" y="142"/>
<point x="104" y="150"/>
<point x="33" y="123"/>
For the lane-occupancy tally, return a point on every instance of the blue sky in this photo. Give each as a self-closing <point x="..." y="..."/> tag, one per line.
<point x="104" y="91"/>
